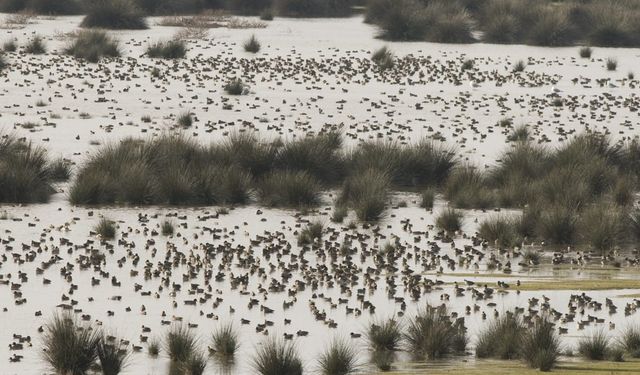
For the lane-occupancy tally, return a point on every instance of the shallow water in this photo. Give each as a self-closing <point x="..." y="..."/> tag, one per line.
<point x="299" y="80"/>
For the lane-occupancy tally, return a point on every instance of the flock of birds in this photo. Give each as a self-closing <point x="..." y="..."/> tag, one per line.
<point x="246" y="266"/>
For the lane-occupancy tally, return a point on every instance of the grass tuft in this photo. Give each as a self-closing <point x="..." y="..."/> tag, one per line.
<point x="36" y="46"/>
<point x="106" y="229"/>
<point x="384" y="336"/>
<point x="586" y="52"/>
<point x="311" y="233"/>
<point x="595" y="346"/>
<point x="340" y="358"/>
<point x="225" y="343"/>
<point x="180" y="343"/>
<point x="93" y="45"/>
<point x="252" y="45"/>
<point x="114" y="14"/>
<point x="502" y="338"/>
<point x="276" y="357"/>
<point x="289" y="189"/>
<point x="112" y="355"/>
<point x="541" y="345"/>
<point x="69" y="348"/>
<point x="169" y="50"/>
<point x="449" y="220"/>
<point x="431" y="334"/>
<point x="167" y="228"/>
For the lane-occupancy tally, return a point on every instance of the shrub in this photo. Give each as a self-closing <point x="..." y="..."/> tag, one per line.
<point x="180" y="343"/>
<point x="431" y="334"/>
<point x="106" y="229"/>
<point x="630" y="341"/>
<point x="340" y="358"/>
<point x="113" y="356"/>
<point x="113" y="14"/>
<point x="68" y="348"/>
<point x="466" y="188"/>
<point x="595" y="346"/>
<point x="92" y="45"/>
<point x="448" y="22"/>
<point x="252" y="45"/>
<point x="383" y="359"/>
<point x="25" y="173"/>
<point x="166" y="228"/>
<point x="9" y="46"/>
<point x="426" y="198"/>
<point x="384" y="336"/>
<point x="531" y="257"/>
<point x="552" y="28"/>
<point x="602" y="227"/>
<point x="235" y="87"/>
<point x="384" y="58"/>
<point x="312" y="232"/>
<point x="276" y="357"/>
<point x="541" y="345"/>
<point x="585" y="52"/>
<point x="612" y="64"/>
<point x="289" y="189"/>
<point x="165" y="170"/>
<point x="519" y="66"/>
<point x="313" y="8"/>
<point x="502" y="338"/>
<point x="449" y="220"/>
<point x="266" y="15"/>
<point x="317" y="155"/>
<point x="171" y="49"/>
<point x="558" y="225"/>
<point x="225" y="343"/>
<point x="59" y="170"/>
<point x="36" y="46"/>
<point x="611" y="24"/>
<point x="185" y="120"/>
<point x="54" y="6"/>
<point x="153" y="348"/>
<point x="422" y="164"/>
<point x="401" y="20"/>
<point x="366" y="192"/>
<point x="249" y="7"/>
<point x="499" y="231"/>
<point x="435" y="21"/>
<point x="519" y="134"/>
<point x="467" y="64"/>
<point x="194" y="365"/>
<point x="339" y="213"/>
